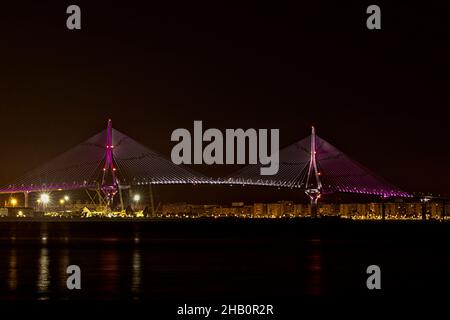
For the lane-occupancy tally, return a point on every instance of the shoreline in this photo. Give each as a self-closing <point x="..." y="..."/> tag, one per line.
<point x="226" y="220"/>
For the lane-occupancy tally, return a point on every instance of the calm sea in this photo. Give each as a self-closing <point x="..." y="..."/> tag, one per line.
<point x="257" y="260"/>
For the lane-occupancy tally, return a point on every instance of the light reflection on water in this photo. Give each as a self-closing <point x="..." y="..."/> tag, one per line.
<point x="136" y="274"/>
<point x="12" y="275"/>
<point x="314" y="267"/>
<point x="63" y="262"/>
<point x="109" y="270"/>
<point x="43" y="281"/>
<point x="135" y="267"/>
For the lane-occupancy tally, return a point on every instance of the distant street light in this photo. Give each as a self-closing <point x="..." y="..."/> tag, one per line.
<point x="45" y="198"/>
<point x="13" y="202"/>
<point x="62" y="201"/>
<point x="136" y="199"/>
<point x="66" y="198"/>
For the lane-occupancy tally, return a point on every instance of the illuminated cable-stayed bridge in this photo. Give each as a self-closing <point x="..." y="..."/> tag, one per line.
<point x="111" y="161"/>
<point x="317" y="167"/>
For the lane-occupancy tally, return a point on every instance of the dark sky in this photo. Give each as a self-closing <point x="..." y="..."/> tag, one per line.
<point x="380" y="96"/>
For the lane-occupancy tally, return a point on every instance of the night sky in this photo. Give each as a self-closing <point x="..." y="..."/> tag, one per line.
<point x="380" y="96"/>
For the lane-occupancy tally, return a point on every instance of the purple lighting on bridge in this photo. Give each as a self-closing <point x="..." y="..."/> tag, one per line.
<point x="299" y="164"/>
<point x="111" y="158"/>
<point x="109" y="184"/>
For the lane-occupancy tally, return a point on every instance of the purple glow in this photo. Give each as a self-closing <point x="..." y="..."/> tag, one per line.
<point x="301" y="162"/>
<point x="99" y="162"/>
<point x="49" y="187"/>
<point x="109" y="182"/>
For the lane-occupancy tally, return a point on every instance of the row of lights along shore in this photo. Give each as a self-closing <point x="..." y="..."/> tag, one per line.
<point x="45" y="199"/>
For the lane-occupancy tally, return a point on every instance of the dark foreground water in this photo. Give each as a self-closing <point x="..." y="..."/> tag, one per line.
<point x="221" y="260"/>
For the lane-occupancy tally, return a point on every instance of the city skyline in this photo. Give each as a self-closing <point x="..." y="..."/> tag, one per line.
<point x="393" y="210"/>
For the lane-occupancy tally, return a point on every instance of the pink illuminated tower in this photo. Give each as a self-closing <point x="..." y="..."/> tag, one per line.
<point x="313" y="186"/>
<point x="109" y="181"/>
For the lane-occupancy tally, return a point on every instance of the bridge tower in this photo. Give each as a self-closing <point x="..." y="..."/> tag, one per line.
<point x="313" y="187"/>
<point x="109" y="184"/>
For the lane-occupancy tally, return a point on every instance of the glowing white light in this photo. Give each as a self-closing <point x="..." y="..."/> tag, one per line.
<point x="137" y="197"/>
<point x="45" y="198"/>
<point x="66" y="198"/>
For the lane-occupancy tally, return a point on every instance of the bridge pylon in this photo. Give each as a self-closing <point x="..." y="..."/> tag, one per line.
<point x="110" y="184"/>
<point x="313" y="187"/>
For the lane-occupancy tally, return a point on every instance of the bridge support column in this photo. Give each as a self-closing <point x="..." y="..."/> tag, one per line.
<point x="152" y="204"/>
<point x="25" y="197"/>
<point x="314" y="195"/>
<point x="110" y="184"/>
<point x="424" y="210"/>
<point x="383" y="211"/>
<point x="313" y="184"/>
<point x="314" y="208"/>
<point x="121" y="199"/>
<point x="443" y="210"/>
<point x="130" y="198"/>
